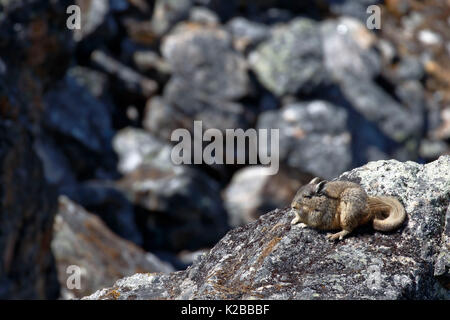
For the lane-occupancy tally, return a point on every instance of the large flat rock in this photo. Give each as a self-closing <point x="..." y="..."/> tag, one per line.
<point x="270" y="259"/>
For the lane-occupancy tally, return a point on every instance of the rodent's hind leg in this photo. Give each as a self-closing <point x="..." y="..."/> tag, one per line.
<point x="339" y="235"/>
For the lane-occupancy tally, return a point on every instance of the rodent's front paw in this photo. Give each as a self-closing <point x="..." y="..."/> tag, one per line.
<point x="295" y="220"/>
<point x="301" y="225"/>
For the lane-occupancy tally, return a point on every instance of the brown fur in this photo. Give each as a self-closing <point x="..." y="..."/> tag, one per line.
<point x="344" y="205"/>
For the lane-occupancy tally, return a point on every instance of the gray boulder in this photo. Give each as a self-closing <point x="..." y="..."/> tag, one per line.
<point x="291" y="59"/>
<point x="271" y="259"/>
<point x="181" y="105"/>
<point x="179" y="206"/>
<point x="348" y="47"/>
<point x="313" y="137"/>
<point x="204" y="57"/>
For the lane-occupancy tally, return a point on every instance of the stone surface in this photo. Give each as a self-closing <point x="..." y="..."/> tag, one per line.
<point x="136" y="146"/>
<point x="214" y="68"/>
<point x="247" y="34"/>
<point x="378" y="106"/>
<point x="181" y="105"/>
<point x="74" y="114"/>
<point x="102" y="198"/>
<point x="291" y="59"/>
<point x="35" y="51"/>
<point x="271" y="259"/>
<point x="349" y="48"/>
<point x="180" y="207"/>
<point x="313" y="137"/>
<point x="253" y="192"/>
<point x="167" y="13"/>
<point x="81" y="239"/>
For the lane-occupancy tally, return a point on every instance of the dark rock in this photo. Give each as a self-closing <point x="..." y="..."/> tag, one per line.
<point x="214" y="68"/>
<point x="27" y="209"/>
<point x="313" y="137"/>
<point x="377" y="106"/>
<point x="409" y="68"/>
<point x="96" y="82"/>
<point x="352" y="8"/>
<point x="81" y="125"/>
<point x="291" y="59"/>
<point x="224" y="9"/>
<point x="57" y="168"/>
<point x="271" y="259"/>
<point x="35" y="48"/>
<point x="81" y="239"/>
<point x="106" y="201"/>
<point x="74" y="112"/>
<point x="253" y="191"/>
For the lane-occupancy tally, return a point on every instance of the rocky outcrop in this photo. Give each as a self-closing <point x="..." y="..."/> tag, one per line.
<point x="81" y="239"/>
<point x="271" y="259"/>
<point x="34" y="51"/>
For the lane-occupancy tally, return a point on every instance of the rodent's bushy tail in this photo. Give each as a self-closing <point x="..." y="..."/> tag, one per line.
<point x="388" y="213"/>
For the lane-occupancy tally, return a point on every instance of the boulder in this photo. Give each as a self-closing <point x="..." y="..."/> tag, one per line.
<point x="214" y="68"/>
<point x="81" y="239"/>
<point x="181" y="105"/>
<point x="313" y="137"/>
<point x="349" y="47"/>
<point x="291" y="60"/>
<point x="271" y="259"/>
<point x="247" y="34"/>
<point x="178" y="207"/>
<point x="35" y="48"/>
<point x="79" y="125"/>
<point x="102" y="198"/>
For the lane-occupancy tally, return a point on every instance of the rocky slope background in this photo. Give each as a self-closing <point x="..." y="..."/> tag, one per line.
<point x="85" y="124"/>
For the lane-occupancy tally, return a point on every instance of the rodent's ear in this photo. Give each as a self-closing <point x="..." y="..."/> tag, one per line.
<point x="320" y="186"/>
<point x="314" y="181"/>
